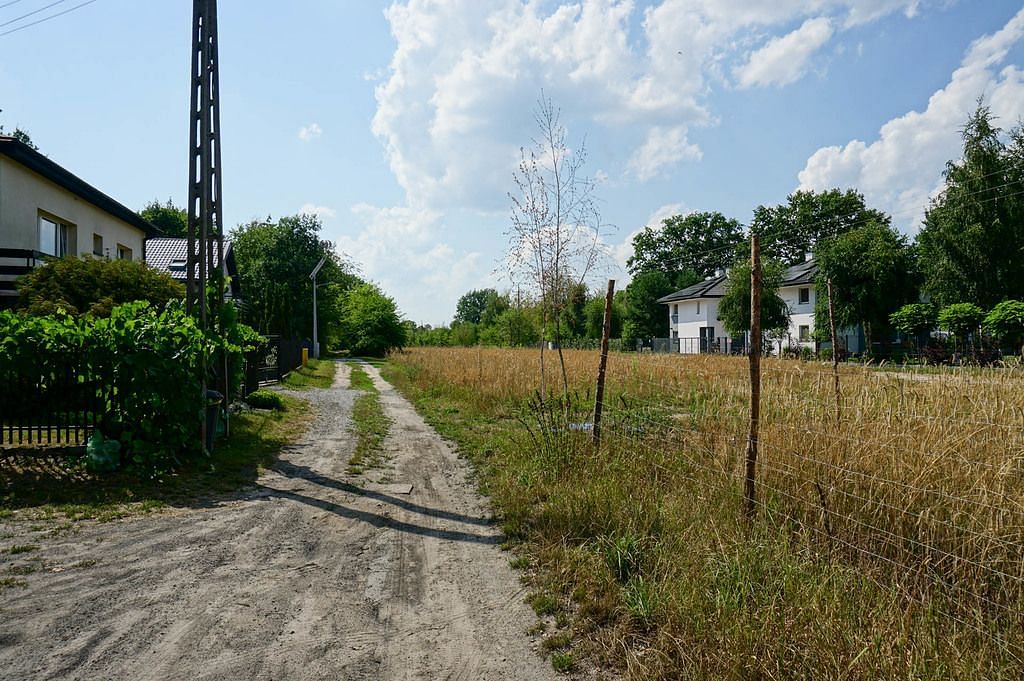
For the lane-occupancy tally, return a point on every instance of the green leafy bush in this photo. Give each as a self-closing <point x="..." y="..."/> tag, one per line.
<point x="961" y="319"/>
<point x="914" y="319"/>
<point x="1006" y="322"/>
<point x="87" y="285"/>
<point x="142" y="365"/>
<point x="265" y="399"/>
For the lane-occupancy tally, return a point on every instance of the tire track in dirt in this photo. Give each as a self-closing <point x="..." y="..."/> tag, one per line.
<point x="312" y="574"/>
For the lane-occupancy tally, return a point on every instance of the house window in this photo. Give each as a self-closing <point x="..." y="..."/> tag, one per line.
<point x="675" y="309"/>
<point x="123" y="252"/>
<point x="805" y="296"/>
<point x="53" y="237"/>
<point x="698" y="307"/>
<point x="97" y="245"/>
<point x="805" y="333"/>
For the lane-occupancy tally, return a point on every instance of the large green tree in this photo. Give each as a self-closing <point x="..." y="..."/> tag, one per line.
<point x="94" y="285"/>
<point x="972" y="242"/>
<point x="478" y="305"/>
<point x="872" y="269"/>
<point x="686" y="246"/>
<point x="791" y="230"/>
<point x="370" y="324"/>
<point x="171" y="220"/>
<point x="274" y="262"/>
<point x="594" y="314"/>
<point x="645" y="317"/>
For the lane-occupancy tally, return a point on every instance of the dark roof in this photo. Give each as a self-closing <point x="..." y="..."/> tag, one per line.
<point x="798" y="275"/>
<point x="801" y="273"/>
<point x="30" y="158"/>
<point x="709" y="288"/>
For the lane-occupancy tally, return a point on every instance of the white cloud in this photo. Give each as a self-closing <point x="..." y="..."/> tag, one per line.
<point x="321" y="212"/>
<point x="889" y="170"/>
<point x="401" y="249"/>
<point x="664" y="147"/>
<point x="310" y="132"/>
<point x="784" y="60"/>
<point x="454" y="104"/>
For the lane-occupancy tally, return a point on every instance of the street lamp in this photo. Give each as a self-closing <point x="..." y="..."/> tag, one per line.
<point x="312" y="275"/>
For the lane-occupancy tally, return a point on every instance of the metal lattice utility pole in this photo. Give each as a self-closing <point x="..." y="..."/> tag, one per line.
<point x="205" y="211"/>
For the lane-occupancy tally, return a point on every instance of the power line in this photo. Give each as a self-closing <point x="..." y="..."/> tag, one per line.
<point x="8" y="4"/>
<point x="35" y="11"/>
<point x="44" y="19"/>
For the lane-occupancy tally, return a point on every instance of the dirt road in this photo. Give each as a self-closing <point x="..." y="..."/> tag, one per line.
<point x="314" y="574"/>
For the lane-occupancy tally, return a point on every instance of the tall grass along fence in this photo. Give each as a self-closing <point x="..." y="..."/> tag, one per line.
<point x="888" y="539"/>
<point x="132" y="377"/>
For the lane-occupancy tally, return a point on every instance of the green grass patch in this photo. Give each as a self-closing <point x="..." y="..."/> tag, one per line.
<point x="563" y="662"/>
<point x="557" y="642"/>
<point x="542" y="603"/>
<point x="369" y="423"/>
<point x="318" y="373"/>
<point x="359" y="379"/>
<point x="265" y="399"/>
<point x="11" y="582"/>
<point x="22" y="548"/>
<point x="58" y="490"/>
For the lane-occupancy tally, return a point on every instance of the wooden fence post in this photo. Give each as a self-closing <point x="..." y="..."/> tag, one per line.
<point x="835" y="350"/>
<point x="749" y="499"/>
<point x="605" y="333"/>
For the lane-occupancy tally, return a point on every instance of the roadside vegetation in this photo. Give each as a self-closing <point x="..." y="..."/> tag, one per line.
<point x="54" y="488"/>
<point x="885" y="546"/>
<point x="369" y="423"/>
<point x="317" y="373"/>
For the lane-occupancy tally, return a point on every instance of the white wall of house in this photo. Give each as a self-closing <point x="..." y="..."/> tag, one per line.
<point x="688" y="317"/>
<point x="26" y="197"/>
<point x="801" y="300"/>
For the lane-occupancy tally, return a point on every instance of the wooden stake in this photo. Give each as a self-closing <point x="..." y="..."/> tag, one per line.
<point x="606" y="332"/>
<point x="749" y="498"/>
<point x="835" y="350"/>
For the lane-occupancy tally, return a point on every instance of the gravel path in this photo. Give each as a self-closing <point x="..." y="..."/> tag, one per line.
<point x="313" y="574"/>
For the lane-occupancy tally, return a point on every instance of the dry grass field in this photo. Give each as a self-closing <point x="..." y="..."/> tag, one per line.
<point x="886" y="545"/>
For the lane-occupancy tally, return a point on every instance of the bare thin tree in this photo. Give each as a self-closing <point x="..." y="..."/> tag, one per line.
<point x="555" y="239"/>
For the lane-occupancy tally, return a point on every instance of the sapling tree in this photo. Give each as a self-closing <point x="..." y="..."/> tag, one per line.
<point x="961" y="319"/>
<point x="1006" y="322"/>
<point x="555" y="235"/>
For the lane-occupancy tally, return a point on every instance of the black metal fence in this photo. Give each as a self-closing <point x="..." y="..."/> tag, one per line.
<point x="60" y="405"/>
<point x="271" y="363"/>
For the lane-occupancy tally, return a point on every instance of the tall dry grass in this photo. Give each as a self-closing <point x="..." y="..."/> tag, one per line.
<point x="888" y="544"/>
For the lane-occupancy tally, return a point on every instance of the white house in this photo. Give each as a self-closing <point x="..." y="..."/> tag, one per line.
<point x="45" y="210"/>
<point x="693" y="314"/>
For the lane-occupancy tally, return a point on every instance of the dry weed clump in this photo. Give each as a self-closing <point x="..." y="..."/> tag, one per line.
<point x="888" y="543"/>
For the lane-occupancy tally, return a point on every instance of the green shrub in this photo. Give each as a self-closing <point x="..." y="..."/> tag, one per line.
<point x="265" y="399"/>
<point x="94" y="286"/>
<point x="143" y="364"/>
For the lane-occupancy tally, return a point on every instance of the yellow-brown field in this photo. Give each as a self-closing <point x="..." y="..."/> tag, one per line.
<point x="888" y="544"/>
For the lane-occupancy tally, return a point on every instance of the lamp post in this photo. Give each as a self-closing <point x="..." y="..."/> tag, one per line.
<point x="312" y="276"/>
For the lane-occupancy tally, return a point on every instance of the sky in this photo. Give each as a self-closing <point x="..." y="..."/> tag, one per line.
<point x="400" y="123"/>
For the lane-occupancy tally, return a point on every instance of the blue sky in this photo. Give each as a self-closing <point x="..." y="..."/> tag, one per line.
<point x="399" y="123"/>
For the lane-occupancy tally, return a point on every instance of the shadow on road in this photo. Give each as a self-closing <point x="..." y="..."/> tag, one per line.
<point x="375" y="519"/>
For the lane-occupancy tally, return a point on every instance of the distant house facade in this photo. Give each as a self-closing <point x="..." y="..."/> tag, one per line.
<point x="46" y="211"/>
<point x="170" y="256"/>
<point x="693" y="315"/>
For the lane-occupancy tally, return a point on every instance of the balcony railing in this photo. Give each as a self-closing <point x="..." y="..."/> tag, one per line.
<point x="15" y="262"/>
